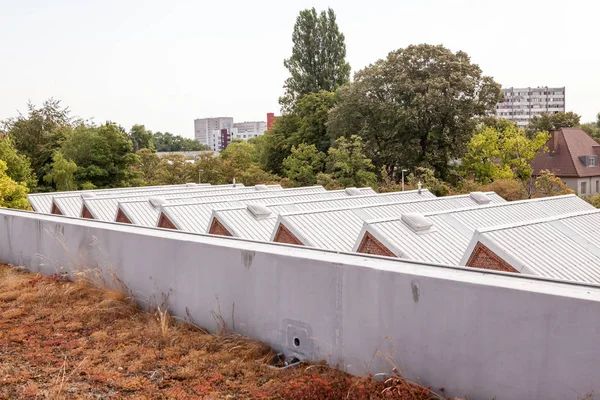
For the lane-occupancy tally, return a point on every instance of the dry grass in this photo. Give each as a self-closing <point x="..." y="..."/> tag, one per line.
<point x="71" y="340"/>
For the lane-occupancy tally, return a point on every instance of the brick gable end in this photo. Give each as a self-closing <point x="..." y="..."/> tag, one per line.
<point x="370" y="245"/>
<point x="85" y="213"/>
<point x="217" y="228"/>
<point x="165" y="222"/>
<point x="121" y="217"/>
<point x="284" y="235"/>
<point x="483" y="258"/>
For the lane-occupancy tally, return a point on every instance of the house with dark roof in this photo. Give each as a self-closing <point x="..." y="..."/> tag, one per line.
<point x="573" y="157"/>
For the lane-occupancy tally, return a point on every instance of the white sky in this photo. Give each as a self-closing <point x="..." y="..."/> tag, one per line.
<point x="164" y="63"/>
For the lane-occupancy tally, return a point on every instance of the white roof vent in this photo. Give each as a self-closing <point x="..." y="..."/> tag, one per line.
<point x="417" y="222"/>
<point x="259" y="211"/>
<point x="156" y="202"/>
<point x="88" y="195"/>
<point x="352" y="191"/>
<point x="480" y="197"/>
<point x="261" y="187"/>
<point x="191" y="184"/>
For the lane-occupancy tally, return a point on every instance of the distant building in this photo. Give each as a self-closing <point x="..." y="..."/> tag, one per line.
<point x="205" y="128"/>
<point x="522" y="104"/>
<point x="270" y="120"/>
<point x="573" y="157"/>
<point x="217" y="133"/>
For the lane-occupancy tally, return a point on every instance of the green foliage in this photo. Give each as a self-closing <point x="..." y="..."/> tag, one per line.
<point x="592" y="128"/>
<point x="417" y="107"/>
<point x="254" y="175"/>
<point x="62" y="174"/>
<point x="303" y="165"/>
<point x="103" y="155"/>
<point x="210" y="169"/>
<point x="508" y="189"/>
<point x="141" y="138"/>
<point x="549" y="184"/>
<point x="12" y="194"/>
<point x="318" y="60"/>
<point x="549" y="122"/>
<point x="147" y="165"/>
<point x="327" y="181"/>
<point x="493" y="154"/>
<point x="237" y="158"/>
<point x="38" y="134"/>
<point x="348" y="165"/>
<point x="276" y="144"/>
<point x="428" y="180"/>
<point x="313" y="110"/>
<point x="173" y="169"/>
<point x="169" y="142"/>
<point x="88" y="186"/>
<point x="18" y="166"/>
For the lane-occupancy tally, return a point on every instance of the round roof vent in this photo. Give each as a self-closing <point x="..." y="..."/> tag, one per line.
<point x="156" y="202"/>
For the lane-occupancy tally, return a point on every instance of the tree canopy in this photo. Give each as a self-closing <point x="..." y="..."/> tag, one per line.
<point x="12" y="194"/>
<point x="417" y="107"/>
<point x="318" y="60"/>
<point x="169" y="142"/>
<point x="549" y="122"/>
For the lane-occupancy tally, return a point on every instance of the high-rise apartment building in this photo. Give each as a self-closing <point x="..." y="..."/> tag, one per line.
<point x="522" y="104"/>
<point x="248" y="130"/>
<point x="204" y="129"/>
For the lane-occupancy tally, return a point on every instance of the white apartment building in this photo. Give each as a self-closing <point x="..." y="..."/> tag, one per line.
<point x="248" y="130"/>
<point x="204" y="129"/>
<point x="217" y="133"/>
<point x="522" y="104"/>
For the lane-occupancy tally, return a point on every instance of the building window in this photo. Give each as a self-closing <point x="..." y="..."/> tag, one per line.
<point x="583" y="188"/>
<point x="591" y="161"/>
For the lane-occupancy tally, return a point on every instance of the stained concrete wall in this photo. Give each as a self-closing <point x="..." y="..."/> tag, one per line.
<point x="482" y="334"/>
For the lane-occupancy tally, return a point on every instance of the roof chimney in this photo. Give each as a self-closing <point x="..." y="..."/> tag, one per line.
<point x="233" y="182"/>
<point x="553" y="142"/>
<point x="419" y="186"/>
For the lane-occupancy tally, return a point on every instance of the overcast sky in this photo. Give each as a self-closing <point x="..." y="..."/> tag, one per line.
<point x="165" y="63"/>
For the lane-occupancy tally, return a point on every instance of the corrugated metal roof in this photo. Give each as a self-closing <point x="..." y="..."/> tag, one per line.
<point x="338" y="229"/>
<point x="452" y="230"/>
<point x="565" y="247"/>
<point x="195" y="217"/>
<point x="242" y="224"/>
<point x="105" y="208"/>
<point x="71" y="205"/>
<point x="42" y="202"/>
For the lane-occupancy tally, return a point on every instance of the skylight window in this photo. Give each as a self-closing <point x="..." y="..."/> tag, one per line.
<point x="417" y="222"/>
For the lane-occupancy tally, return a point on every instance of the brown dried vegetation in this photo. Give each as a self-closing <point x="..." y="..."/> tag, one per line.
<point x="70" y="340"/>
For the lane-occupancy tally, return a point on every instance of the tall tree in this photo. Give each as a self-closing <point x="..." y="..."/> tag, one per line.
<point x="38" y="134"/>
<point x="318" y="60"/>
<point x="62" y="174"/>
<point x="103" y="154"/>
<point x="417" y="107"/>
<point x="549" y="122"/>
<point x="141" y="138"/>
<point x="313" y="110"/>
<point x="174" y="169"/>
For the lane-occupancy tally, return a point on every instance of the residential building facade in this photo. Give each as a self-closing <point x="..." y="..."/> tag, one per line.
<point x="248" y="130"/>
<point x="208" y="131"/>
<point x="573" y="157"/>
<point x="522" y="104"/>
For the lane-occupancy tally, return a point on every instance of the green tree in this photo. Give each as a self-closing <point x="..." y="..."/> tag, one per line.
<point x="18" y="166"/>
<point x="148" y="162"/>
<point x="417" y="107"/>
<point x="549" y="122"/>
<point x="238" y="157"/>
<point x="169" y="142"/>
<point x="313" y="110"/>
<point x="318" y="60"/>
<point x="103" y="154"/>
<point x="254" y="175"/>
<point x="592" y="128"/>
<point x="303" y="165"/>
<point x="174" y="169"/>
<point x="141" y="138"/>
<point x="12" y="194"/>
<point x="348" y="165"/>
<point x="39" y="134"/>
<point x="62" y="174"/>
<point x="507" y="154"/>
<point x="210" y="169"/>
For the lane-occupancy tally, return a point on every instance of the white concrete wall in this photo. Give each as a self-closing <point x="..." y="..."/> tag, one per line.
<point x="482" y="334"/>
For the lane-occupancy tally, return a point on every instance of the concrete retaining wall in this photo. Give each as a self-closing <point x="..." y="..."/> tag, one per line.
<point x="479" y="334"/>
